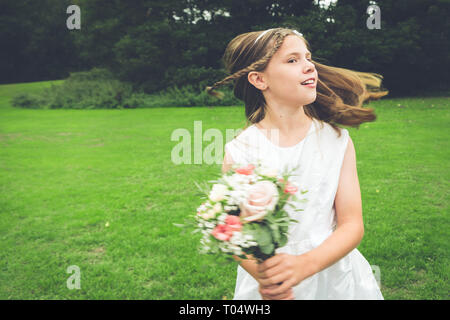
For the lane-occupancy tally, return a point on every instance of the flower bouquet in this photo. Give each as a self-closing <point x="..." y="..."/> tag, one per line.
<point x="245" y="213"/>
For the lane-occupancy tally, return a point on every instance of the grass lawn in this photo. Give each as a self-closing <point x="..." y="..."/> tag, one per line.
<point x="97" y="189"/>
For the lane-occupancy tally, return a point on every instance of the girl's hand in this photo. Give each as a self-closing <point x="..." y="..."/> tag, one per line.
<point x="286" y="268"/>
<point x="287" y="295"/>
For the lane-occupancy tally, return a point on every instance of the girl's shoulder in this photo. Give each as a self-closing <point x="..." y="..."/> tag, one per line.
<point x="330" y="140"/>
<point x="329" y="131"/>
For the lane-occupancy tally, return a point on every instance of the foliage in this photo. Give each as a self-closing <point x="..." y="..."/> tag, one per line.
<point x="159" y="44"/>
<point x="36" y="44"/>
<point x="187" y="96"/>
<point x="27" y="101"/>
<point x="99" y="89"/>
<point x="95" y="89"/>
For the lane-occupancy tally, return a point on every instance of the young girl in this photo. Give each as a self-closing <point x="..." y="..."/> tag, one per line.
<point x="294" y="105"/>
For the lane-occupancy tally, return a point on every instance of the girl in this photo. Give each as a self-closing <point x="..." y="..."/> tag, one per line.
<point x="294" y="105"/>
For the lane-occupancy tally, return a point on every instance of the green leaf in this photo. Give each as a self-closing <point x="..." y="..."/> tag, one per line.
<point x="262" y="234"/>
<point x="267" y="249"/>
<point x="275" y="232"/>
<point x="283" y="240"/>
<point x="179" y="225"/>
<point x="243" y="256"/>
<point x="203" y="189"/>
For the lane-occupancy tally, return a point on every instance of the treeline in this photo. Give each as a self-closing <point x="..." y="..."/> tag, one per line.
<point x="159" y="44"/>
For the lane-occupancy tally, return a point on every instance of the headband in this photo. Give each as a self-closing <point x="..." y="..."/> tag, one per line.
<point x="262" y="34"/>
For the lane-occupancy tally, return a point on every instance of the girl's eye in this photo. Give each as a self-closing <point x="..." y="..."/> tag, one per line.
<point x="296" y="59"/>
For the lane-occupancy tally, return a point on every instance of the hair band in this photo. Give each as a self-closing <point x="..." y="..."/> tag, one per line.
<point x="297" y="33"/>
<point x="263" y="33"/>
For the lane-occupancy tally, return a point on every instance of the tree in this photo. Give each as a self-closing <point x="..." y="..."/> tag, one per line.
<point x="36" y="45"/>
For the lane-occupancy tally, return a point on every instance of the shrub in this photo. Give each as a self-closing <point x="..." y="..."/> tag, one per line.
<point x="188" y="96"/>
<point x="95" y="89"/>
<point x="27" y="101"/>
<point x="186" y="76"/>
<point x="99" y="89"/>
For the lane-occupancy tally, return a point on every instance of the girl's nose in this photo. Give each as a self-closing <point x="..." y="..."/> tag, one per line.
<point x="309" y="67"/>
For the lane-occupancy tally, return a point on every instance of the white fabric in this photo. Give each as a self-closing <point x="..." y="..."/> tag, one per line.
<point x="320" y="155"/>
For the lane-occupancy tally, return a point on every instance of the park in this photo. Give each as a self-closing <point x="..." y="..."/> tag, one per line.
<point x="104" y="131"/>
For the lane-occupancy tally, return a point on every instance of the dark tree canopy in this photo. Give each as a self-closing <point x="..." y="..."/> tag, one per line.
<point x="157" y="44"/>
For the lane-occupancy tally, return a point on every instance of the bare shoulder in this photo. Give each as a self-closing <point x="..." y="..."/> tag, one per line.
<point x="350" y="147"/>
<point x="349" y="162"/>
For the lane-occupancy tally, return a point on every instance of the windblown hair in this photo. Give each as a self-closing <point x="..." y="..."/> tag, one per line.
<point x="340" y="92"/>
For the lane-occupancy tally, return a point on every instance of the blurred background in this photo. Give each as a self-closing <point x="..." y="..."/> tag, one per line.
<point x="156" y="45"/>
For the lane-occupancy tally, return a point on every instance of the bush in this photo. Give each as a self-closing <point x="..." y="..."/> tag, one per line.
<point x="187" y="96"/>
<point x="99" y="89"/>
<point x="186" y="76"/>
<point x="91" y="75"/>
<point x="26" y="101"/>
<point x="94" y="89"/>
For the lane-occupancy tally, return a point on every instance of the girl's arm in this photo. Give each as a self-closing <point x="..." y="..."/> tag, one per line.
<point x="348" y="207"/>
<point x="290" y="269"/>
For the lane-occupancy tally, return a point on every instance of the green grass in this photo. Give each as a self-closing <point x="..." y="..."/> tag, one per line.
<point x="66" y="173"/>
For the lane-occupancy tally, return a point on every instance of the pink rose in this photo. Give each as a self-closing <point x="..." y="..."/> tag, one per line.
<point x="290" y="188"/>
<point x="262" y="198"/>
<point x="233" y="222"/>
<point x="247" y="170"/>
<point x="222" y="232"/>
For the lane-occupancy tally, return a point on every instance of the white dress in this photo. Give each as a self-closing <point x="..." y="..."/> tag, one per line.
<point x="320" y="156"/>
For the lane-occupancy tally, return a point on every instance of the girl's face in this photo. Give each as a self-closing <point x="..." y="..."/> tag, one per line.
<point x="287" y="69"/>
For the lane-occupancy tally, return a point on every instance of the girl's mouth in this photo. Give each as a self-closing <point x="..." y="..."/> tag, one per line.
<point x="310" y="83"/>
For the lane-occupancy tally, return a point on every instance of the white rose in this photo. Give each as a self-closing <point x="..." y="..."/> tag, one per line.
<point x="217" y="207"/>
<point x="209" y="214"/>
<point x="269" y="172"/>
<point x="218" y="192"/>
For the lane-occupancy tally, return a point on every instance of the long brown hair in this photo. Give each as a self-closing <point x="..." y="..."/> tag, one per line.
<point x="340" y="92"/>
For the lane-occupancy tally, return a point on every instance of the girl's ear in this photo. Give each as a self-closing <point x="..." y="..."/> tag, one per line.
<point x="257" y="80"/>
